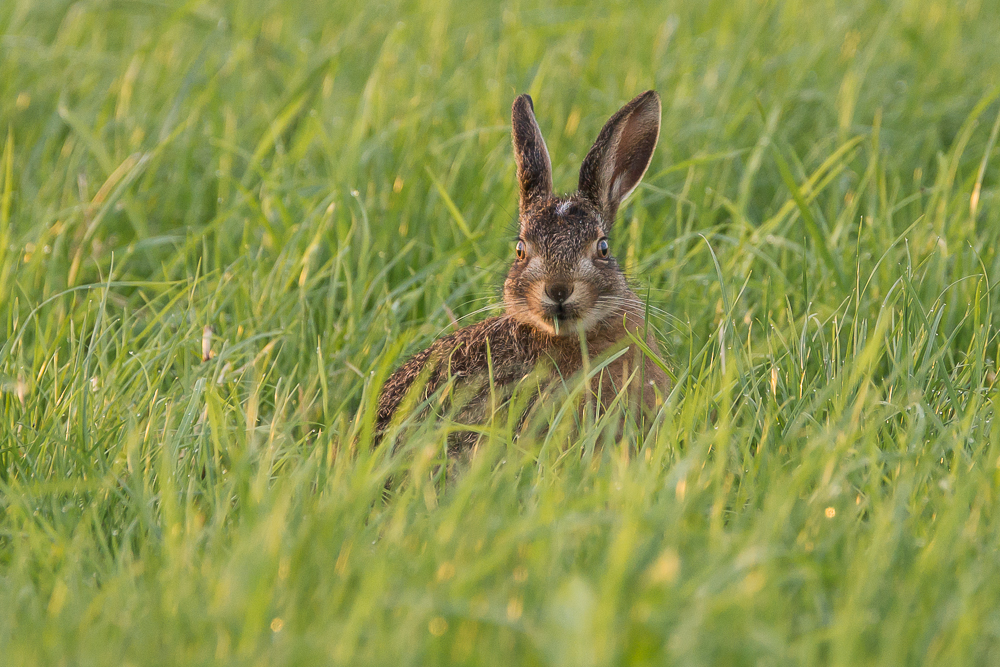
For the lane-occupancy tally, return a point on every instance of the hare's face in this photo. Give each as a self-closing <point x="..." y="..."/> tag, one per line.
<point x="564" y="278"/>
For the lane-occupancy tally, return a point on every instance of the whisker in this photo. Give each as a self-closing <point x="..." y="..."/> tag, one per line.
<point x="671" y="321"/>
<point x="637" y="302"/>
<point x="621" y="312"/>
<point x="493" y="306"/>
<point x="640" y="306"/>
<point x="477" y="299"/>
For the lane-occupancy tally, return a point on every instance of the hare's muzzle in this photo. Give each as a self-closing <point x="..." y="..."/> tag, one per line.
<point x="559" y="292"/>
<point x="558" y="305"/>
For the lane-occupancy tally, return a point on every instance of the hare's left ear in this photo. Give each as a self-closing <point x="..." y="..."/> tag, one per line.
<point x="620" y="156"/>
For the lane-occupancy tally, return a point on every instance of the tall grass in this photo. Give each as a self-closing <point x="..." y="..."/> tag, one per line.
<point x="223" y="224"/>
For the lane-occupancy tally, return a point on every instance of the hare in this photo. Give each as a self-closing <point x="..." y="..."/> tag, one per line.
<point x="563" y="287"/>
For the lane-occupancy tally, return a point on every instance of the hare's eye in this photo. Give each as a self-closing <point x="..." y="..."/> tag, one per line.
<point x="602" y="248"/>
<point x="520" y="250"/>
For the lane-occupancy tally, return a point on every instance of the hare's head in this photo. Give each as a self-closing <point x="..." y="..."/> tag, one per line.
<point x="564" y="277"/>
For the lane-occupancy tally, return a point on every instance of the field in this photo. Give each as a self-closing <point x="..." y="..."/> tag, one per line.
<point x="223" y="224"/>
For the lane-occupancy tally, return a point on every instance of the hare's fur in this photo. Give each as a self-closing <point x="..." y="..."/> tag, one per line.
<point x="563" y="283"/>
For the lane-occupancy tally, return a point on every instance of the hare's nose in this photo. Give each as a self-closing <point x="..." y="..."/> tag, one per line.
<point x="559" y="292"/>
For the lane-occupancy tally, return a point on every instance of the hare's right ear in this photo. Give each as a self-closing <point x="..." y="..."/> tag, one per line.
<point x="621" y="154"/>
<point x="534" y="170"/>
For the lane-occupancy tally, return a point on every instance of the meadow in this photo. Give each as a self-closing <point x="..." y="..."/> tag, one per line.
<point x="223" y="224"/>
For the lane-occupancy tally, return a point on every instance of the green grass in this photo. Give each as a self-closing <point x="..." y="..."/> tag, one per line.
<point x="325" y="186"/>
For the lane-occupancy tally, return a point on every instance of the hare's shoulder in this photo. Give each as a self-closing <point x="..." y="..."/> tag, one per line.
<point x="500" y="343"/>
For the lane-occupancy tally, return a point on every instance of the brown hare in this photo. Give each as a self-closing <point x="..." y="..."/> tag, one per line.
<point x="564" y="293"/>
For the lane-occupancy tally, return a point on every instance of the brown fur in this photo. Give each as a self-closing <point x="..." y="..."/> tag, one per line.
<point x="564" y="282"/>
